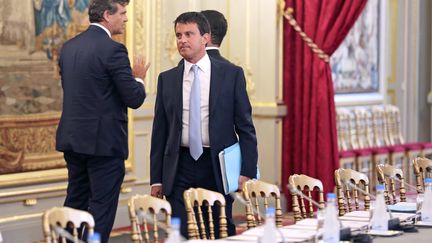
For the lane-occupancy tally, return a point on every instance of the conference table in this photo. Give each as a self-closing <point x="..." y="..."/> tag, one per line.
<point x="424" y="235"/>
<point x="358" y="221"/>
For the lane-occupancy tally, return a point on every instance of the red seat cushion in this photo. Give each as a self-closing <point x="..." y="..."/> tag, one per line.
<point x="346" y="154"/>
<point x="395" y="148"/>
<point x="425" y="145"/>
<point x="362" y="152"/>
<point x="379" y="150"/>
<point x="412" y="146"/>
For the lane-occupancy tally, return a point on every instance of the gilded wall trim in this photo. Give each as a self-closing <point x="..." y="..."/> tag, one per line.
<point x="30" y="178"/>
<point x="27" y="143"/>
<point x="20" y="217"/>
<point x="51" y="191"/>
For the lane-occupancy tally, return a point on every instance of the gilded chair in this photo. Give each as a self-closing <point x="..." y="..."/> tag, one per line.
<point x="347" y="158"/>
<point x="422" y="169"/>
<point x="145" y="211"/>
<point x="199" y="201"/>
<point x="412" y="150"/>
<point x="365" y="130"/>
<point x="56" y="220"/>
<point x="390" y="177"/>
<point x="307" y="185"/>
<point x="258" y="196"/>
<point x="351" y="185"/>
<point x="359" y="143"/>
<point x="386" y="135"/>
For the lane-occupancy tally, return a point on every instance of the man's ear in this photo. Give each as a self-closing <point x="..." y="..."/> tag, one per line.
<point x="106" y="16"/>
<point x="206" y="38"/>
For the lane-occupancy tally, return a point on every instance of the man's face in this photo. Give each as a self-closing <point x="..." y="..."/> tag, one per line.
<point x="117" y="21"/>
<point x="190" y="43"/>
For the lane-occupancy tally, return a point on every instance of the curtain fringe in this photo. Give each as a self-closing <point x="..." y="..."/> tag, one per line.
<point x="321" y="54"/>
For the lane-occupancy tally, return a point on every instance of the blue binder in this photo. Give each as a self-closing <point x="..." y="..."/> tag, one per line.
<point x="230" y="165"/>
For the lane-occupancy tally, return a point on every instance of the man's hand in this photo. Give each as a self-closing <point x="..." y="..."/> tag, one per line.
<point x="242" y="180"/>
<point x="156" y="191"/>
<point x="140" y="67"/>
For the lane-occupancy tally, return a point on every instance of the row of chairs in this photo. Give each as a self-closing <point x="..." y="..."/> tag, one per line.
<point x="148" y="214"/>
<point x="353" y="188"/>
<point x="371" y="136"/>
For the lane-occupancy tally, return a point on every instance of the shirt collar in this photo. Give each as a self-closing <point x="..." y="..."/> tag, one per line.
<point x="103" y="27"/>
<point x="203" y="64"/>
<point x="212" y="48"/>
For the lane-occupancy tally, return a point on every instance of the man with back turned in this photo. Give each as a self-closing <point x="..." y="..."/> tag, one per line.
<point x="99" y="85"/>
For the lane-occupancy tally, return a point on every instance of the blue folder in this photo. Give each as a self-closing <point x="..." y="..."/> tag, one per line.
<point x="230" y="165"/>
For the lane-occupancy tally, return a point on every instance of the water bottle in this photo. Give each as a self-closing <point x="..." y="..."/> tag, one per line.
<point x="380" y="216"/>
<point x="1" y="237"/>
<point x="426" y="209"/>
<point x="174" y="232"/>
<point x="269" y="231"/>
<point x="331" y="226"/>
<point x="419" y="203"/>
<point x="94" y="238"/>
<point x="320" y="220"/>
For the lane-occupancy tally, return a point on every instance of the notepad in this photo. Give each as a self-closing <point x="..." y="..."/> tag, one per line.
<point x="408" y="207"/>
<point x="230" y="164"/>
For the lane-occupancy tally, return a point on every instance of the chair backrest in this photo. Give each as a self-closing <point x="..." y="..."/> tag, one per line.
<point x="344" y="178"/>
<point x="380" y="134"/>
<point x="257" y="193"/>
<point x="145" y="210"/>
<point x="422" y="170"/>
<point x="202" y="226"/>
<point x="386" y="175"/>
<point x="343" y="129"/>
<point x="57" y="219"/>
<point x="307" y="185"/>
<point x="363" y="128"/>
<point x="393" y="124"/>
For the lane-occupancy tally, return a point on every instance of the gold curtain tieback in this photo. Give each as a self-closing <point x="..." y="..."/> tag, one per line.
<point x="321" y="54"/>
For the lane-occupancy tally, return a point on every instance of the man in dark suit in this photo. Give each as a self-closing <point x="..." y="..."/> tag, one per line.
<point x="99" y="85"/>
<point x="176" y="161"/>
<point x="218" y="30"/>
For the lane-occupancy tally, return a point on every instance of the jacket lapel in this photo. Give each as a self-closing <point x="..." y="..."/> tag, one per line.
<point x="216" y="83"/>
<point x="178" y="86"/>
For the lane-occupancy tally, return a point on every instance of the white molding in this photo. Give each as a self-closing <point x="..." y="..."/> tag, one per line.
<point x="359" y="99"/>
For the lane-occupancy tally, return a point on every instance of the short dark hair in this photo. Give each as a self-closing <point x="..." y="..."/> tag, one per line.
<point x="218" y="25"/>
<point x="98" y="7"/>
<point x="194" y="17"/>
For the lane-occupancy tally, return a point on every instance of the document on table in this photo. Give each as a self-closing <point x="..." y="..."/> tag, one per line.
<point x="311" y="224"/>
<point x="403" y="207"/>
<point x="290" y="235"/>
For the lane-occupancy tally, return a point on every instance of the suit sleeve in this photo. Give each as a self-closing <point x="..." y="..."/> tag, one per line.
<point x="158" y="139"/>
<point x="132" y="93"/>
<point x="244" y="127"/>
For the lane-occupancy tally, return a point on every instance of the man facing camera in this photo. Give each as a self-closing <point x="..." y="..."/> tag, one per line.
<point x="99" y="85"/>
<point x="201" y="108"/>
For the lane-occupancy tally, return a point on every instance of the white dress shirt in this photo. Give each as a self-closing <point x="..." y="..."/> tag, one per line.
<point x="204" y="68"/>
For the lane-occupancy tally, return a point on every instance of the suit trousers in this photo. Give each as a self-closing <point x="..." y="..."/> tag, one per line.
<point x="191" y="173"/>
<point x="94" y="185"/>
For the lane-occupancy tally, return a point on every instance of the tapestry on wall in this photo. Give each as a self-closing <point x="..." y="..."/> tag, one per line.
<point x="355" y="63"/>
<point x="31" y="35"/>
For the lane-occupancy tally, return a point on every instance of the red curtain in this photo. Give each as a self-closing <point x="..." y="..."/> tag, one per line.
<point x="309" y="130"/>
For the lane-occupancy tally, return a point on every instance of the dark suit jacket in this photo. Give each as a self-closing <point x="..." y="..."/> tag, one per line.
<point x="98" y="87"/>
<point x="216" y="55"/>
<point x="229" y="116"/>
